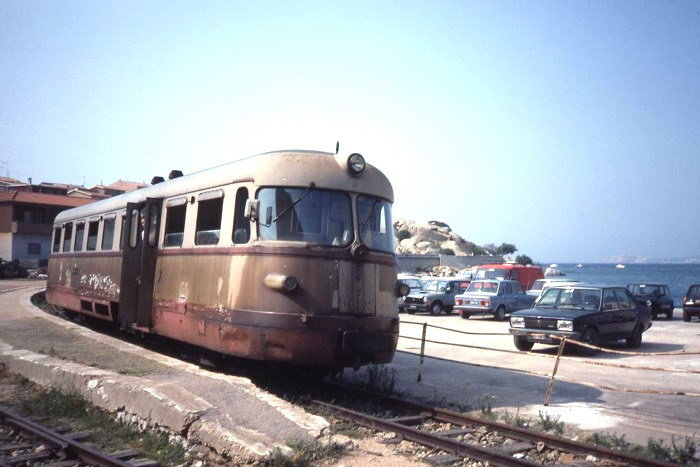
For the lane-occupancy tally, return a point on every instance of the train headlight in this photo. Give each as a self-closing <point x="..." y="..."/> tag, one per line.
<point x="356" y="164"/>
<point x="402" y="289"/>
<point x="281" y="282"/>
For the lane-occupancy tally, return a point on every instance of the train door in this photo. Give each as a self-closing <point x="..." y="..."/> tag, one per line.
<point x="139" y="262"/>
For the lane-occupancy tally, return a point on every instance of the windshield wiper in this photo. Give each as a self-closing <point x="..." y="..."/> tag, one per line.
<point x="295" y="202"/>
<point x="371" y="212"/>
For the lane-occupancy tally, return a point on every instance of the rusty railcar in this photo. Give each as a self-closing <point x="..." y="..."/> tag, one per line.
<point x="285" y="256"/>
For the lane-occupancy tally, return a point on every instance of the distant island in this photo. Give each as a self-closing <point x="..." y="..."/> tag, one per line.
<point x="636" y="259"/>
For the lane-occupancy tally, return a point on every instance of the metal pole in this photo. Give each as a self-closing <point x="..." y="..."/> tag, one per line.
<point x="556" y="366"/>
<point x="422" y="352"/>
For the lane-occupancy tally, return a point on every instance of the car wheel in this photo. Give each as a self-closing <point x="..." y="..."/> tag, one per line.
<point x="669" y="315"/>
<point x="465" y="315"/>
<point x="635" y="340"/>
<point x="590" y="337"/>
<point x="499" y="314"/>
<point x="522" y="344"/>
<point x="686" y="317"/>
<point x="436" y="309"/>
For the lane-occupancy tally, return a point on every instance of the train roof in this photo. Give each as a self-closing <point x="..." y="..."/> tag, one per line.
<point x="290" y="168"/>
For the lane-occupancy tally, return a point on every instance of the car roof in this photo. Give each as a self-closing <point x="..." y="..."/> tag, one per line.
<point x="648" y="283"/>
<point x="587" y="286"/>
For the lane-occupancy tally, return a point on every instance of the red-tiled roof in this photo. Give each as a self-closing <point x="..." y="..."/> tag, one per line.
<point x="42" y="198"/>
<point x="126" y="185"/>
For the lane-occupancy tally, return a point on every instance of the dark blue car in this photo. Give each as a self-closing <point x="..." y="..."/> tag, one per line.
<point x="586" y="313"/>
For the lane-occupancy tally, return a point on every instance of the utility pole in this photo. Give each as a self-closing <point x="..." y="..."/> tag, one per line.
<point x="3" y="166"/>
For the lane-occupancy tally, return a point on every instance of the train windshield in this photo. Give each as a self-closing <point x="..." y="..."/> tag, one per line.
<point x="310" y="215"/>
<point x="376" y="226"/>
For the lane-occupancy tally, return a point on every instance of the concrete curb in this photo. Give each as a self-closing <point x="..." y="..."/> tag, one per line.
<point x="162" y="404"/>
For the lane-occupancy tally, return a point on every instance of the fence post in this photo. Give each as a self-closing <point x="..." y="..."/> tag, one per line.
<point x="562" y="342"/>
<point x="422" y="352"/>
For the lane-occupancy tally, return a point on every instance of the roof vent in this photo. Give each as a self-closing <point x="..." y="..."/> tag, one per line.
<point x="175" y="174"/>
<point x="157" y="179"/>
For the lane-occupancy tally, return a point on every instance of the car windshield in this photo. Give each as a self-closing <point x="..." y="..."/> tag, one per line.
<point x="376" y="226"/>
<point x="645" y="290"/>
<point x="435" y="286"/>
<point x="569" y="297"/>
<point x="483" y="287"/>
<point x="537" y="285"/>
<point x="307" y="215"/>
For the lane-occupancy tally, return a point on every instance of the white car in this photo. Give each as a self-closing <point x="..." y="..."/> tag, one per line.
<point x="540" y="285"/>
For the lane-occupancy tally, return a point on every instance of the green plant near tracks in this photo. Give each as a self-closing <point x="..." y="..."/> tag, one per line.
<point x="381" y="378"/>
<point x="549" y="423"/>
<point x="516" y="419"/>
<point x="304" y="453"/>
<point x="679" y="452"/>
<point x="486" y="406"/>
<point x="106" y="432"/>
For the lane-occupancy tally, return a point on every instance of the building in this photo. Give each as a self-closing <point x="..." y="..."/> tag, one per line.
<point x="27" y="213"/>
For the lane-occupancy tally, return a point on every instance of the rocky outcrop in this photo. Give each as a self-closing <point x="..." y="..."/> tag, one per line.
<point x="428" y="238"/>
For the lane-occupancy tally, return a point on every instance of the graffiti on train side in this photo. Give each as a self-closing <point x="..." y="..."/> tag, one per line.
<point x="100" y="283"/>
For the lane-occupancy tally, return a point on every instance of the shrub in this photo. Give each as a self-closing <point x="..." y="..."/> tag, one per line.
<point x="447" y="251"/>
<point x="403" y="234"/>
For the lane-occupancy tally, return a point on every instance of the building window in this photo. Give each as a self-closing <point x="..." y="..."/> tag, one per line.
<point x="67" y="235"/>
<point x="108" y="232"/>
<point x="209" y="217"/>
<point x="176" y="209"/>
<point x="79" y="233"/>
<point x="92" y="235"/>
<point x="34" y="248"/>
<point x="56" y="239"/>
<point x="241" y="225"/>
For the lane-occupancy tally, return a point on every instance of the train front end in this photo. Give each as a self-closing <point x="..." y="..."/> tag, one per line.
<point x="325" y="258"/>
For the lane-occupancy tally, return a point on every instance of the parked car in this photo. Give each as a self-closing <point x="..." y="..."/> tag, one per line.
<point x="414" y="285"/>
<point x="492" y="297"/>
<point x="691" y="302"/>
<point x="540" y="285"/>
<point x="586" y="313"/>
<point x="437" y="295"/>
<point x="526" y="275"/>
<point x="657" y="295"/>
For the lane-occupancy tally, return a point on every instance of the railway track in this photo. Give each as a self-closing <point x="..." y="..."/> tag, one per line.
<point x="462" y="436"/>
<point x="24" y="442"/>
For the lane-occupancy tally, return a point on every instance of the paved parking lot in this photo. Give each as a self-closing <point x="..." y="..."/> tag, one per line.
<point x="659" y="397"/>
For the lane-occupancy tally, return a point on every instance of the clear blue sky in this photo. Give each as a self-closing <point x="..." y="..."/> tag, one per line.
<point x="569" y="128"/>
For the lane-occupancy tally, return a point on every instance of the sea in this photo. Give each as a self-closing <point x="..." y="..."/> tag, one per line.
<point x="677" y="276"/>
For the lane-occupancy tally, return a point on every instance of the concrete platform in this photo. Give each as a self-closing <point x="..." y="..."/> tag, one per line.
<point x="228" y="413"/>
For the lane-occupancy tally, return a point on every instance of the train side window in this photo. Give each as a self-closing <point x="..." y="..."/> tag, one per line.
<point x="175" y="212"/>
<point x="134" y="232"/>
<point x="153" y="225"/>
<point x="79" y="234"/>
<point x="56" y="239"/>
<point x="93" y="227"/>
<point x="122" y="235"/>
<point x="67" y="236"/>
<point x="241" y="224"/>
<point x="108" y="232"/>
<point x="209" y="210"/>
